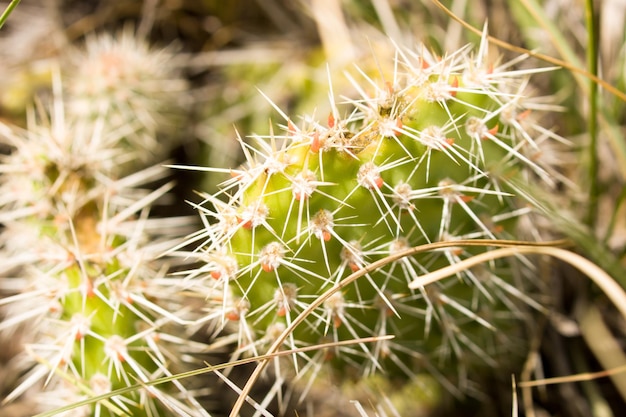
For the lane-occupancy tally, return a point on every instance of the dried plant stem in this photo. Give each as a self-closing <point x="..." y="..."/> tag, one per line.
<point x="587" y="376"/>
<point x="83" y="388"/>
<point x="606" y="349"/>
<point x="603" y="280"/>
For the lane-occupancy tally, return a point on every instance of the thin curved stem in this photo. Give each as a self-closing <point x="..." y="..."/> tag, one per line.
<point x="603" y="280"/>
<point x="208" y="368"/>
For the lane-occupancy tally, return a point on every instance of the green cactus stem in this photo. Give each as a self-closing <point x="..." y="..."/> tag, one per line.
<point x="424" y="156"/>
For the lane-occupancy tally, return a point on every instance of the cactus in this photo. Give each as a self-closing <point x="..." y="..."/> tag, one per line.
<point x="433" y="149"/>
<point x="425" y="155"/>
<point x="121" y="77"/>
<point x="80" y="251"/>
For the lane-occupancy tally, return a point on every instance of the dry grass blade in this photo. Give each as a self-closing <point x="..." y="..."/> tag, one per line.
<point x="587" y="376"/>
<point x="607" y="350"/>
<point x="608" y="285"/>
<point x="515" y="410"/>
<point x="209" y="368"/>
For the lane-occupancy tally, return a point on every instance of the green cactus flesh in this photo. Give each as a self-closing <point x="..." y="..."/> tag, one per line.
<point x="421" y="160"/>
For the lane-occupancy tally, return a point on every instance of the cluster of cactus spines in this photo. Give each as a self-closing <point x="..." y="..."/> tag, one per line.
<point x="425" y="155"/>
<point x="80" y="253"/>
<point x="121" y="77"/>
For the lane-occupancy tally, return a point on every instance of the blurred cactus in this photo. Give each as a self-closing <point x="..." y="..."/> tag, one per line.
<point x="80" y="251"/>
<point x="121" y="78"/>
<point x="28" y="40"/>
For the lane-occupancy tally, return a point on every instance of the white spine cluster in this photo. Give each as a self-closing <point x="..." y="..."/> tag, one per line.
<point x="80" y="253"/>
